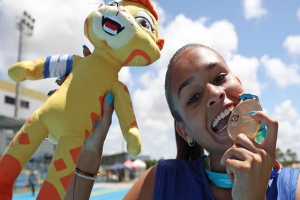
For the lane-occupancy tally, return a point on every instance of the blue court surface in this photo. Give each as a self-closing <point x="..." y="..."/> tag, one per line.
<point x="98" y="193"/>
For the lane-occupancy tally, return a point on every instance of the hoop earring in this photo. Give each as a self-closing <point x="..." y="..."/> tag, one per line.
<point x="191" y="144"/>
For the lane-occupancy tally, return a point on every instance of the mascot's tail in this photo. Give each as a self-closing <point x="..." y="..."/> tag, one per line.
<point x="18" y="153"/>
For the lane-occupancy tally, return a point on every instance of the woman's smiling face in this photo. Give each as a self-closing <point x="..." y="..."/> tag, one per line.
<point x="204" y="91"/>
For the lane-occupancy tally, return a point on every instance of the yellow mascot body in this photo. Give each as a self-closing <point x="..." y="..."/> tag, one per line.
<point x="123" y="33"/>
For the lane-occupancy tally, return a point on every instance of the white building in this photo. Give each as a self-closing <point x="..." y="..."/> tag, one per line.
<point x="29" y="100"/>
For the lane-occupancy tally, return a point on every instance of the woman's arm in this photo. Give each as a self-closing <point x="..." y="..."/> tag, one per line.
<point x="91" y="154"/>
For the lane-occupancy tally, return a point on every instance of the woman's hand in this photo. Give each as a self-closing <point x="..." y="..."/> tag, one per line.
<point x="91" y="154"/>
<point x="94" y="143"/>
<point x="249" y="164"/>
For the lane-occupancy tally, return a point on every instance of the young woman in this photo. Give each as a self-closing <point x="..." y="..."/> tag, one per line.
<point x="199" y="87"/>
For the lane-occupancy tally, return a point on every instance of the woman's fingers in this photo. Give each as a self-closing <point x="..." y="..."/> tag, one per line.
<point x="243" y="141"/>
<point x="94" y="143"/>
<point x="60" y="80"/>
<point x="86" y="51"/>
<point x="235" y="152"/>
<point x="269" y="143"/>
<point x="107" y="111"/>
<point x="231" y="169"/>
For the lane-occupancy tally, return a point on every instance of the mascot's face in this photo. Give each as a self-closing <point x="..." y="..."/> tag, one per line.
<point x="127" y="30"/>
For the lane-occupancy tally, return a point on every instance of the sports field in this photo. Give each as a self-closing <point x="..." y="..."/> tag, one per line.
<point x="107" y="191"/>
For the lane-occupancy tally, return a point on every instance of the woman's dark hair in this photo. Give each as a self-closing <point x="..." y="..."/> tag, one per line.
<point x="184" y="151"/>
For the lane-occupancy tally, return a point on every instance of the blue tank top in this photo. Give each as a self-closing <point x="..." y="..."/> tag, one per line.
<point x="182" y="179"/>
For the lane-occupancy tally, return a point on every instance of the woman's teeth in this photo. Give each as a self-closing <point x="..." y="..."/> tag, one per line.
<point x="222" y="115"/>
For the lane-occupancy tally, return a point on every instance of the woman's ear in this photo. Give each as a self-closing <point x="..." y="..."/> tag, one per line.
<point x="182" y="132"/>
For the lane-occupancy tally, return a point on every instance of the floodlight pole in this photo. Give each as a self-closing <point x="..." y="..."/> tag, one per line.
<point x="25" y="26"/>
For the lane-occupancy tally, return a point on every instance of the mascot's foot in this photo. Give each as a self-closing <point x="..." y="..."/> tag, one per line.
<point x="6" y="192"/>
<point x="10" y="169"/>
<point x="7" y="195"/>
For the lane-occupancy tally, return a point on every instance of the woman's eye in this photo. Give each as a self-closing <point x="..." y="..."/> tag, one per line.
<point x="193" y="99"/>
<point x="220" y="78"/>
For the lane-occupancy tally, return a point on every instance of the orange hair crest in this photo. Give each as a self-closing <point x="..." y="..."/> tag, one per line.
<point x="148" y="4"/>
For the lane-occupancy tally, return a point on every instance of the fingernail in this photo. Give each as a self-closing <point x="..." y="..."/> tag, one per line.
<point x="252" y="112"/>
<point x="110" y="98"/>
<point x="84" y="46"/>
<point x="58" y="79"/>
<point x="51" y="92"/>
<point x="221" y="162"/>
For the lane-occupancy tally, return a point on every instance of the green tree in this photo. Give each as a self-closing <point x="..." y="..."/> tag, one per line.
<point x="286" y="158"/>
<point x="279" y="155"/>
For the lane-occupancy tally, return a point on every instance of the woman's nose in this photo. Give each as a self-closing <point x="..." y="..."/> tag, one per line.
<point x="215" y="95"/>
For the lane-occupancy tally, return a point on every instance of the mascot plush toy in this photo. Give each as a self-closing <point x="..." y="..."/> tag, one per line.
<point x="123" y="33"/>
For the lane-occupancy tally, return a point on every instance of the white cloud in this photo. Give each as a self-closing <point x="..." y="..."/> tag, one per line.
<point x="292" y="44"/>
<point x="125" y="76"/>
<point x="288" y="137"/>
<point x="162" y="15"/>
<point x="285" y="111"/>
<point x="279" y="72"/>
<point x="253" y="9"/>
<point x="219" y="35"/>
<point x="246" y="70"/>
<point x="289" y="126"/>
<point x="298" y="14"/>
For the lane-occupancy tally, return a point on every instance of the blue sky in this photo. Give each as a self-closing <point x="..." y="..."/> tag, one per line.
<point x="259" y="39"/>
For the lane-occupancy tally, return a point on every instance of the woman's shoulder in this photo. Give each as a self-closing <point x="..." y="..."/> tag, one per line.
<point x="288" y="176"/>
<point x="284" y="186"/>
<point x="173" y="175"/>
<point x="145" y="186"/>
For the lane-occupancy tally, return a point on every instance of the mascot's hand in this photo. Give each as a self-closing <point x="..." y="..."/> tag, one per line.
<point x="60" y="80"/>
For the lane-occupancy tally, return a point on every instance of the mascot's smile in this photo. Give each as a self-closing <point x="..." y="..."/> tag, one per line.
<point x="112" y="25"/>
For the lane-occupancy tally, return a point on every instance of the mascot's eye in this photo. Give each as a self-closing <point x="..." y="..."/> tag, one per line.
<point x="144" y="23"/>
<point x="113" y="3"/>
<point x="145" y="20"/>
